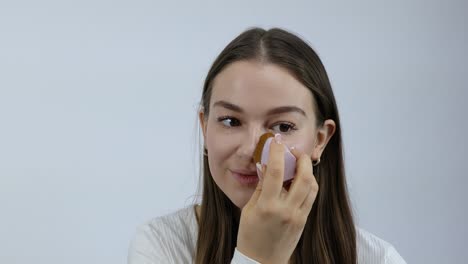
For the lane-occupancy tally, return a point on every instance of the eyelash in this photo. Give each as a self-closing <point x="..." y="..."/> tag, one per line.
<point x="291" y="127"/>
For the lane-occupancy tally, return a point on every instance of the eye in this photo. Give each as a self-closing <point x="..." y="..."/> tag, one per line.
<point x="285" y="127"/>
<point x="229" y="121"/>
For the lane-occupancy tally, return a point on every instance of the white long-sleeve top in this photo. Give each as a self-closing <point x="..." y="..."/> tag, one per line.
<point x="172" y="239"/>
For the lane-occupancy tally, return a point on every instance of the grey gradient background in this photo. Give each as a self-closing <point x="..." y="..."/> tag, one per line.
<point x="98" y="105"/>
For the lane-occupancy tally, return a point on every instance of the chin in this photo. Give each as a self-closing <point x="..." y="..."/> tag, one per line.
<point x="240" y="205"/>
<point x="240" y="202"/>
<point x="239" y="196"/>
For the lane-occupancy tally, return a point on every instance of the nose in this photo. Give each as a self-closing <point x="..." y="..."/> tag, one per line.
<point x="249" y="142"/>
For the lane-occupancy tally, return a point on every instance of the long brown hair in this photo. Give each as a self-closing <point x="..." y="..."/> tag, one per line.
<point x="329" y="235"/>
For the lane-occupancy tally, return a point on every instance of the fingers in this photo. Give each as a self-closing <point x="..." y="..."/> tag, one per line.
<point x="255" y="196"/>
<point x="304" y="184"/>
<point x="258" y="190"/>
<point x="274" y="174"/>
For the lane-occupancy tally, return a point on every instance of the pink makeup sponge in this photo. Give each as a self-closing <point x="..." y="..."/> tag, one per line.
<point x="262" y="152"/>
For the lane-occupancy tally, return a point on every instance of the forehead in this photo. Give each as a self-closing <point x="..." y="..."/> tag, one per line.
<point x="257" y="87"/>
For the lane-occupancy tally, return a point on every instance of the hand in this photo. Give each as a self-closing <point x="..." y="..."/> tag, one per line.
<point x="273" y="219"/>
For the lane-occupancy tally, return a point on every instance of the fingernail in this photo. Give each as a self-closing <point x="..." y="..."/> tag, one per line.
<point x="278" y="138"/>
<point x="259" y="166"/>
<point x="259" y="171"/>
<point x="292" y="148"/>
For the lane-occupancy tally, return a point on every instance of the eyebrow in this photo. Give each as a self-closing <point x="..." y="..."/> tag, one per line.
<point x="274" y="111"/>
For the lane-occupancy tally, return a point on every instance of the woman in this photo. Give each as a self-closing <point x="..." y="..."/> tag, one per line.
<point x="266" y="81"/>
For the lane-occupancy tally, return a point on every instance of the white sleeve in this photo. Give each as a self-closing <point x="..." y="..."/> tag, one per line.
<point x="392" y="257"/>
<point x="240" y="258"/>
<point x="146" y="247"/>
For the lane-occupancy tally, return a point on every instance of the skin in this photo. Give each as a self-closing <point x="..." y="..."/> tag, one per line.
<point x="272" y="218"/>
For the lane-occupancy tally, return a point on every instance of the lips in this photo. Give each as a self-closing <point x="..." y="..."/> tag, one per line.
<point x="245" y="172"/>
<point x="245" y="177"/>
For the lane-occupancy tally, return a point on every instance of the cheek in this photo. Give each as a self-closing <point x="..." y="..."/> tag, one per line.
<point x="220" y="145"/>
<point x="303" y="142"/>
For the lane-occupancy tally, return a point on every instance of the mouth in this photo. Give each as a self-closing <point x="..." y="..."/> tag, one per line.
<point x="245" y="177"/>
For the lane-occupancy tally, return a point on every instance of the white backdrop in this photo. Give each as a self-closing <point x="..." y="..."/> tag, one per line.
<point x="98" y="107"/>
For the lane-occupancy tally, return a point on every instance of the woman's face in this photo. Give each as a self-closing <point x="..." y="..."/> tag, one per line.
<point x="248" y="99"/>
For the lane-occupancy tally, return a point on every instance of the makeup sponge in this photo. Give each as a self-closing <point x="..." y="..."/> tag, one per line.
<point x="262" y="153"/>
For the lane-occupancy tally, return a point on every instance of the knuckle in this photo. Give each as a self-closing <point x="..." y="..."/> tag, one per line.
<point x="315" y="186"/>
<point x="293" y="220"/>
<point x="308" y="180"/>
<point x="288" y="218"/>
<point x="304" y="157"/>
<point x="305" y="161"/>
<point x="266" y="210"/>
<point x="303" y="220"/>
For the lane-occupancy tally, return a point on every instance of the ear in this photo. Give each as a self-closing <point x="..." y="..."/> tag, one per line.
<point x="203" y="122"/>
<point x="324" y="133"/>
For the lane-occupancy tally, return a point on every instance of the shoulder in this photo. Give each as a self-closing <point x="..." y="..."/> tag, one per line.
<point x="372" y="249"/>
<point x="175" y="224"/>
<point x="165" y="239"/>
